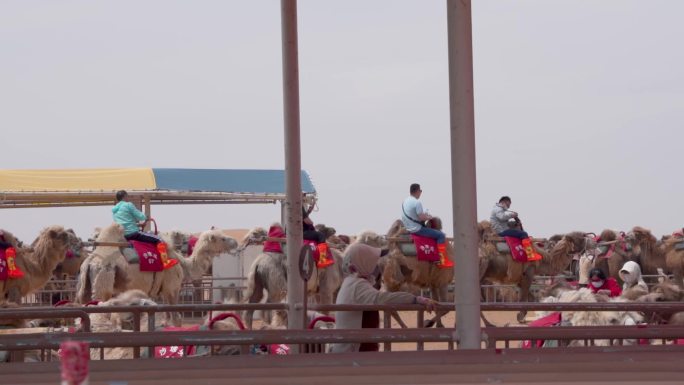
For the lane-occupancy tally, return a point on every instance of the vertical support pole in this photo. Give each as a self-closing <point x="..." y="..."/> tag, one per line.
<point x="463" y="181"/>
<point x="148" y="210"/>
<point x="293" y="166"/>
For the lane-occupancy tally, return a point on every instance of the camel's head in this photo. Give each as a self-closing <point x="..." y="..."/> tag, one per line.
<point x="639" y="238"/>
<point x="484" y="230"/>
<point x="112" y="233"/>
<point x="325" y="230"/>
<point x="371" y="238"/>
<point x="54" y="237"/>
<point x="555" y="289"/>
<point x="75" y="244"/>
<point x="396" y="229"/>
<point x="256" y="236"/>
<point x="666" y="292"/>
<point x="217" y="242"/>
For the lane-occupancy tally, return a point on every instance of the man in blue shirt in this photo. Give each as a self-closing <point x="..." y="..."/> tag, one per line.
<point x="414" y="216"/>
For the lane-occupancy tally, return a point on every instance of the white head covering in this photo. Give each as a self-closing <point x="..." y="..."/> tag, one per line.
<point x="362" y="258"/>
<point x="630" y="274"/>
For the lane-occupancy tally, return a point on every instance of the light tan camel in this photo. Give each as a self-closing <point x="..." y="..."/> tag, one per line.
<point x="57" y="288"/>
<point x="560" y="292"/>
<point x="37" y="263"/>
<point x="406" y="273"/>
<point x="104" y="273"/>
<point x="268" y="274"/>
<point x="165" y="284"/>
<point x="119" y="322"/>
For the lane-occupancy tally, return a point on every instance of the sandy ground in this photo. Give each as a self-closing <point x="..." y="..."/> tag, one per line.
<point x="410" y="319"/>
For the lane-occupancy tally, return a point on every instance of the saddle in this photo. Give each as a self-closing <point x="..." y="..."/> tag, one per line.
<point x="319" y="251"/>
<point x="8" y="266"/>
<point x="189" y="246"/>
<point x="150" y="257"/>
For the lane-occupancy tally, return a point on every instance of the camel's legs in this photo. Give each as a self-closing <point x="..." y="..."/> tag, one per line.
<point x="524" y="285"/>
<point x="255" y="296"/>
<point x="439" y="294"/>
<point x="172" y="299"/>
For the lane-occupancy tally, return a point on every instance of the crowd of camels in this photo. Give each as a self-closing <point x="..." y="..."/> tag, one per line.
<point x="102" y="272"/>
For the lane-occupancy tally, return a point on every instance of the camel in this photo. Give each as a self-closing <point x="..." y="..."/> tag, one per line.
<point x="269" y="273"/>
<point x="648" y="251"/>
<point x="407" y="273"/>
<point x="37" y="263"/>
<point x="612" y="256"/>
<point x="561" y="292"/>
<point x="674" y="258"/>
<point x="104" y="273"/>
<point x="165" y="284"/>
<point x="499" y="267"/>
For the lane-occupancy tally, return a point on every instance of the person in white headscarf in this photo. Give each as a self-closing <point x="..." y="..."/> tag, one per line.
<point x="634" y="285"/>
<point x="361" y="261"/>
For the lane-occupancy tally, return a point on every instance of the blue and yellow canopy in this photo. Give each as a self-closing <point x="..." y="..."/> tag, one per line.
<point x="159" y="185"/>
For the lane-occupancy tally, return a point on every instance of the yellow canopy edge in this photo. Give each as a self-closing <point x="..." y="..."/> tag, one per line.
<point x="78" y="179"/>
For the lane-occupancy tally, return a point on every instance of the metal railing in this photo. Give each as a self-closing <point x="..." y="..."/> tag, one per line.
<point x="499" y="337"/>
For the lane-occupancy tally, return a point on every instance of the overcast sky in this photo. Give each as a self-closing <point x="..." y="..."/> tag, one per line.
<point x="578" y="105"/>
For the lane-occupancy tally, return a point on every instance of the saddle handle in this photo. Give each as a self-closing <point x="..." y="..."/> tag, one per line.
<point x="223" y="316"/>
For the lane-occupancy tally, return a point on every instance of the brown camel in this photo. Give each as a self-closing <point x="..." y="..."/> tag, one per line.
<point x="613" y="254"/>
<point x="674" y="258"/>
<point x="648" y="251"/>
<point x="402" y="272"/>
<point x="497" y="265"/>
<point x="37" y="263"/>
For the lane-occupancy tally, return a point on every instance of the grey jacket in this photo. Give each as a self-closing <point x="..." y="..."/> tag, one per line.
<point x="359" y="291"/>
<point x="499" y="218"/>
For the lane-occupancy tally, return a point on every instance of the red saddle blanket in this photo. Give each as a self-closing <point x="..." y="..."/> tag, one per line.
<point x="426" y="248"/>
<point x="191" y="244"/>
<point x="273" y="246"/>
<point x="150" y="260"/>
<point x="517" y="250"/>
<point x="176" y="351"/>
<point x="4" y="269"/>
<point x="320" y="253"/>
<point x="552" y="319"/>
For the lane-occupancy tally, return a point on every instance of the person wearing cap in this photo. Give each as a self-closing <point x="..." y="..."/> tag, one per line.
<point x="413" y="216"/>
<point x="630" y="274"/>
<point x="600" y="284"/>
<point x="361" y="261"/>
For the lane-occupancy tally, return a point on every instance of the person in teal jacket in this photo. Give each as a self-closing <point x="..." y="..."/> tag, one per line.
<point x="130" y="218"/>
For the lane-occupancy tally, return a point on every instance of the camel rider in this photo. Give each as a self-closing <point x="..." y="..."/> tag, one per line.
<point x="311" y="234"/>
<point x="357" y="289"/>
<point x="501" y="215"/>
<point x="600" y="284"/>
<point x="131" y="219"/>
<point x="414" y="217"/>
<point x="630" y="274"/>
